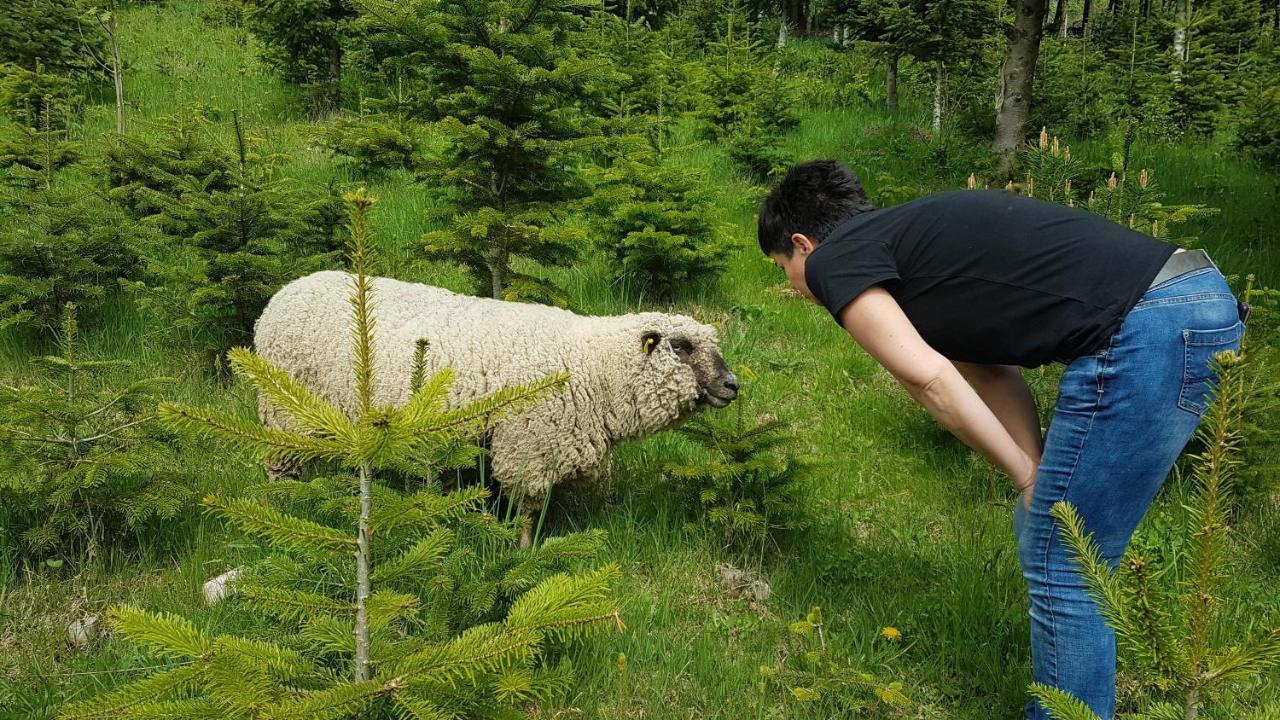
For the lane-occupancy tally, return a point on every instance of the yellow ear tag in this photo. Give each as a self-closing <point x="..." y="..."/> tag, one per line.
<point x="649" y="342"/>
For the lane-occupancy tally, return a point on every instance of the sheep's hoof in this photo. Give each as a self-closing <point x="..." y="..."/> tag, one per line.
<point x="526" y="536"/>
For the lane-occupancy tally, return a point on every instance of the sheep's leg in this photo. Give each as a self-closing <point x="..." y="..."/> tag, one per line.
<point x="277" y="469"/>
<point x="530" y="509"/>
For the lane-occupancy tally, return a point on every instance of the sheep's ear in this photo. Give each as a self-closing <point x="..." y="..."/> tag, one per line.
<point x="649" y="341"/>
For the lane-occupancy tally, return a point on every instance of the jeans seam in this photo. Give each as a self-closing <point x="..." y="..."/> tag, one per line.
<point x="1178" y="299"/>
<point x="1053" y="672"/>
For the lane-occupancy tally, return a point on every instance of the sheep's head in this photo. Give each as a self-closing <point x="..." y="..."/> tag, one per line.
<point x="677" y="369"/>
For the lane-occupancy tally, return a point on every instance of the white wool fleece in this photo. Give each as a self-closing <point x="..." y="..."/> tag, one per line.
<point x="616" y="390"/>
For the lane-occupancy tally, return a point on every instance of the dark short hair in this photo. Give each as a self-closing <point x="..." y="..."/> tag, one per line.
<point x="813" y="198"/>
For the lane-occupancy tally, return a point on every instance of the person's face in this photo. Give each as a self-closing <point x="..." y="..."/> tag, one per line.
<point x="793" y="266"/>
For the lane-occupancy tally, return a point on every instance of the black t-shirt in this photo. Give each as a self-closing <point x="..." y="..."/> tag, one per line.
<point x="992" y="277"/>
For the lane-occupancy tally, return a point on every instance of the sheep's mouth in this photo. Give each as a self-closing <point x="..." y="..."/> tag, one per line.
<point x="708" y="398"/>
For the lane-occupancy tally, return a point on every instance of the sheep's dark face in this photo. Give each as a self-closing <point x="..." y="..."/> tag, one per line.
<point x="717" y="385"/>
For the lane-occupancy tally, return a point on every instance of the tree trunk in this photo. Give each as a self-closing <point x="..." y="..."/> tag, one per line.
<point x="1182" y="12"/>
<point x="498" y="274"/>
<point x="1017" y="77"/>
<point x="1084" y="18"/>
<point x="937" y="96"/>
<point x="891" y="83"/>
<point x="1191" y="710"/>
<point x="1060" y="18"/>
<point x="117" y="69"/>
<point x="782" y="31"/>
<point x="335" y="75"/>
<point x="362" y="574"/>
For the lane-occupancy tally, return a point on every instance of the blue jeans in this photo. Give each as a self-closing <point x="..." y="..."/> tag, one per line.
<point x="1123" y="416"/>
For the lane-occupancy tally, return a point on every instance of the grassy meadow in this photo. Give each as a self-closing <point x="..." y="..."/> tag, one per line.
<point x="907" y="528"/>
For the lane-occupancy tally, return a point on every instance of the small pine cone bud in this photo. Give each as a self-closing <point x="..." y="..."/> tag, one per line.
<point x="1131" y="220"/>
<point x="1009" y="187"/>
<point x="1090" y="197"/>
<point x="1143" y="179"/>
<point x="1055" y="146"/>
<point x="1031" y="186"/>
<point x="1066" y="186"/>
<point x="1111" y="182"/>
<point x="1066" y="153"/>
<point x="1044" y="137"/>
<point x="1155" y="228"/>
<point x="973" y="181"/>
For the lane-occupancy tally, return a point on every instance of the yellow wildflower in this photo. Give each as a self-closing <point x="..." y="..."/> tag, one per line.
<point x="891" y="633"/>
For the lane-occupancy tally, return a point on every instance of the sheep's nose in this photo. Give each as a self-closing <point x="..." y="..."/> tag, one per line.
<point x="731" y="384"/>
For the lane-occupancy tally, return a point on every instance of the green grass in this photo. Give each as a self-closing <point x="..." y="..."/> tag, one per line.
<point x="908" y="528"/>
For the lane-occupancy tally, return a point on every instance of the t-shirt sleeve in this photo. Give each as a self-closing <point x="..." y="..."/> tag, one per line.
<point x="840" y="271"/>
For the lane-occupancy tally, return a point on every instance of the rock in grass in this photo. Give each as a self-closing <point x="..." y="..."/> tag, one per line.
<point x="743" y="584"/>
<point x="217" y="589"/>
<point x="81" y="633"/>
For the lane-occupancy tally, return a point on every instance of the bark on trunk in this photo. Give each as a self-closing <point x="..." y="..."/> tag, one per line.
<point x="937" y="96"/>
<point x="1017" y="76"/>
<point x="1182" y="11"/>
<point x="891" y="83"/>
<point x="782" y="31"/>
<point x="1191" y="711"/>
<point x="498" y="274"/>
<point x="335" y="75"/>
<point x="1060" y="18"/>
<point x="117" y="68"/>
<point x="362" y="575"/>
<point x="1084" y="18"/>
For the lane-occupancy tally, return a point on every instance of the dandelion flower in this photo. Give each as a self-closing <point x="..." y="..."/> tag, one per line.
<point x="889" y="632"/>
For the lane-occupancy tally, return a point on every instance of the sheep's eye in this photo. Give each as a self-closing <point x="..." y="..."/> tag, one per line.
<point x="684" y="347"/>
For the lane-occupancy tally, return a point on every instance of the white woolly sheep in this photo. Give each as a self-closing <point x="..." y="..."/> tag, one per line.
<point x="629" y="376"/>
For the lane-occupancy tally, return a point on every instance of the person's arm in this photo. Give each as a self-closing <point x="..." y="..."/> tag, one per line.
<point x="1004" y="391"/>
<point x="878" y="324"/>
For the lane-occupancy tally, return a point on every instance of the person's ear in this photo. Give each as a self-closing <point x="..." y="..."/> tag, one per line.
<point x="801" y="243"/>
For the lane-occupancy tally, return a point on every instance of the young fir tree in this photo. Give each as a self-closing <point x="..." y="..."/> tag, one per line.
<point x="52" y="33"/>
<point x="746" y="486"/>
<point x="143" y="175"/>
<point x="517" y="101"/>
<point x="60" y="241"/>
<point x="654" y="224"/>
<point x="892" y="26"/>
<point x="80" y="459"/>
<point x="304" y="42"/>
<point x="365" y="639"/>
<point x="233" y="238"/>
<point x="749" y="107"/>
<point x="1166" y="618"/>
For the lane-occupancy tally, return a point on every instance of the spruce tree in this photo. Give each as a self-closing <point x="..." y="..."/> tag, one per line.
<point x="235" y="234"/>
<point x="745" y="484"/>
<point x="1166" y="617"/>
<point x="305" y="43"/>
<point x="653" y="222"/>
<point x="375" y="637"/>
<point x="516" y="99"/>
<point x="748" y="106"/>
<point x="60" y="240"/>
<point x="53" y="33"/>
<point x="81" y="460"/>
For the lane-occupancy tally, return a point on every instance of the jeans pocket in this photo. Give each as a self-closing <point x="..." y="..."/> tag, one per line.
<point x="1198" y="376"/>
